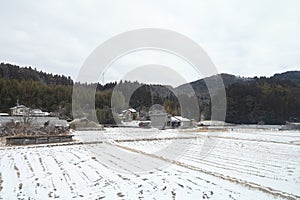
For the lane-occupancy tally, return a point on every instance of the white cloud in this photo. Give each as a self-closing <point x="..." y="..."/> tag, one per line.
<point x="242" y="37"/>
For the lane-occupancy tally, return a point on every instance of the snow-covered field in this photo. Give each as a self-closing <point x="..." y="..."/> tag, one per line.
<point x="151" y="164"/>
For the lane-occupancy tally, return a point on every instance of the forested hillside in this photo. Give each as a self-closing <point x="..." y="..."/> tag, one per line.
<point x="264" y="100"/>
<point x="9" y="71"/>
<point x="273" y="100"/>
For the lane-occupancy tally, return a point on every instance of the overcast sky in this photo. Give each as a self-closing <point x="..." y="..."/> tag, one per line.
<point x="244" y="38"/>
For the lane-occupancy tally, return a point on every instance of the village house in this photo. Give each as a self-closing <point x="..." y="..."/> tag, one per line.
<point x="129" y="115"/>
<point x="19" y="110"/>
<point x="162" y="120"/>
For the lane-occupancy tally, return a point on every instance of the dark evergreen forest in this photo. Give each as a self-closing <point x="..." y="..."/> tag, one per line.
<point x="273" y="100"/>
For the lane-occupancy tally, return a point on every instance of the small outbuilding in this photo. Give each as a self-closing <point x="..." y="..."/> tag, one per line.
<point x="129" y="115"/>
<point x="184" y="122"/>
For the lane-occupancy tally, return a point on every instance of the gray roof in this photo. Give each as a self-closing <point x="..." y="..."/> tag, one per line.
<point x="19" y="106"/>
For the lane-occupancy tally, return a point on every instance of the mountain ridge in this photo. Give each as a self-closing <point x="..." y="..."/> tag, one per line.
<point x="201" y="90"/>
<point x="11" y="71"/>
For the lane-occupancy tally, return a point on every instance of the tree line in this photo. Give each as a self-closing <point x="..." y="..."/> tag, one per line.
<point x="261" y="100"/>
<point x="264" y="101"/>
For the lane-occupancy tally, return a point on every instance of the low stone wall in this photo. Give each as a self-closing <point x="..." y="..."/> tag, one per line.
<point x="25" y="140"/>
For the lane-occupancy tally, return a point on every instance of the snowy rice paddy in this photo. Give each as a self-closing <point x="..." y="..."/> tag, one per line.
<point x="151" y="164"/>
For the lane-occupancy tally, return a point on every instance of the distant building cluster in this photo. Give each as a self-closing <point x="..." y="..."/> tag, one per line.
<point x="158" y="119"/>
<point x="21" y="110"/>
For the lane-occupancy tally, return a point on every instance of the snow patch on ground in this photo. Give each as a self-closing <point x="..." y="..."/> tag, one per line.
<point x="74" y="171"/>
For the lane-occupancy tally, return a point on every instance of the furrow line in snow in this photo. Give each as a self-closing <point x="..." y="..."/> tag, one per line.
<point x="239" y="139"/>
<point x="201" y="136"/>
<point x="262" y="188"/>
<point x="148" y="139"/>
